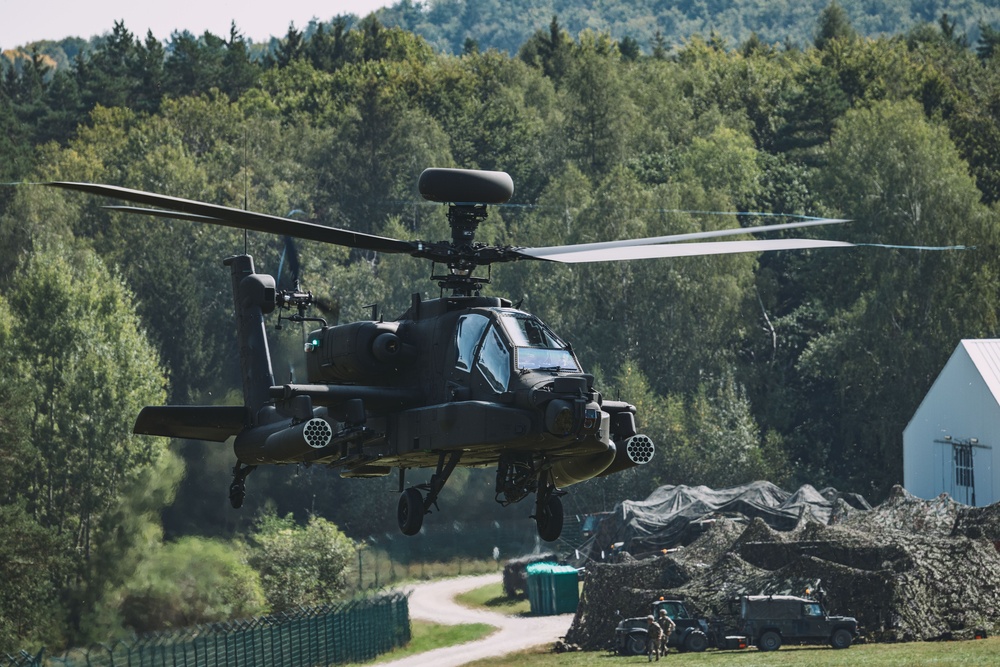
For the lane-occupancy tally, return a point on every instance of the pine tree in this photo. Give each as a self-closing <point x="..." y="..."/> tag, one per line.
<point x="833" y="23"/>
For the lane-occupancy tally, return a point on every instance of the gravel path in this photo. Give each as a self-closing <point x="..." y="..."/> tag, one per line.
<point x="434" y="602"/>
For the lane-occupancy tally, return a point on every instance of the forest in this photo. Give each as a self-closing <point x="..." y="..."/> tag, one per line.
<point x="453" y="25"/>
<point x="795" y="367"/>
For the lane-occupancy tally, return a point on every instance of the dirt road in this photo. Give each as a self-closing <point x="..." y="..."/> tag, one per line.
<point x="434" y="602"/>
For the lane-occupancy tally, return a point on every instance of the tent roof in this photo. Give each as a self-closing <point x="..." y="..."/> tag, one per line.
<point x="985" y="355"/>
<point x="666" y="518"/>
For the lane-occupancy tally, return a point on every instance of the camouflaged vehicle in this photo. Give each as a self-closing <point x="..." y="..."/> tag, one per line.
<point x="768" y="621"/>
<point x="690" y="633"/>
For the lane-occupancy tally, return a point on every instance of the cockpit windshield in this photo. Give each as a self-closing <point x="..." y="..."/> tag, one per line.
<point x="536" y="346"/>
<point x="468" y="333"/>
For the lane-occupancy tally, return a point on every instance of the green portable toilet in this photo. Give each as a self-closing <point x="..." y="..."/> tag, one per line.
<point x="552" y="589"/>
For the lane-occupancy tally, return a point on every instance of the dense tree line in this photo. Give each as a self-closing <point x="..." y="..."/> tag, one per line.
<point x="796" y="367"/>
<point x="454" y="26"/>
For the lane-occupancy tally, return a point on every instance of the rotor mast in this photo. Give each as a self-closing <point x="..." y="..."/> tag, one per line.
<point x="467" y="192"/>
<point x="463" y="252"/>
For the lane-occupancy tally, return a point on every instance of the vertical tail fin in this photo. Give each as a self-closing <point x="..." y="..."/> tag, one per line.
<point x="253" y="297"/>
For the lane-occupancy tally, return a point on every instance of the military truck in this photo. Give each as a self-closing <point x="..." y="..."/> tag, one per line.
<point x="690" y="633"/>
<point x="770" y="620"/>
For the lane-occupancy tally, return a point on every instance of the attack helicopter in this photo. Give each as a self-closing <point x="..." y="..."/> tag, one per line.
<point x="461" y="380"/>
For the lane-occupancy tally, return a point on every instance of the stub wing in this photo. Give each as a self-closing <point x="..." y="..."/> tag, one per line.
<point x="217" y="423"/>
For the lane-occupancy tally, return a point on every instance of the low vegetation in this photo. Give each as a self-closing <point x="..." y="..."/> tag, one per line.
<point x="492" y="597"/>
<point x="971" y="653"/>
<point x="428" y="636"/>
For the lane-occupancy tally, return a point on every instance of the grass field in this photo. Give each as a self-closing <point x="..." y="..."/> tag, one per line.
<point x="981" y="652"/>
<point x="428" y="636"/>
<point x="972" y="653"/>
<point x="491" y="597"/>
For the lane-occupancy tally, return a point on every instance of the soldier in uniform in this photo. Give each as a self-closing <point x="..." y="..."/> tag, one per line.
<point x="668" y="626"/>
<point x="654" y="639"/>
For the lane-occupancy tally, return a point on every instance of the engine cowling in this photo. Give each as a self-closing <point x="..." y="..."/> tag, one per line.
<point x="360" y="352"/>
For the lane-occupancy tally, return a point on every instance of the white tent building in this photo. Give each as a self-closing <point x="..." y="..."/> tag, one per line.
<point x="951" y="442"/>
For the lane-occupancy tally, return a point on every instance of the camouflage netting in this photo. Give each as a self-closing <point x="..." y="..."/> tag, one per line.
<point x="677" y="515"/>
<point x="908" y="570"/>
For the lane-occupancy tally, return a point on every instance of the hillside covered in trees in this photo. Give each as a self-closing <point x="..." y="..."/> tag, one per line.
<point x="452" y="26"/>
<point x="794" y="367"/>
<point x="641" y="27"/>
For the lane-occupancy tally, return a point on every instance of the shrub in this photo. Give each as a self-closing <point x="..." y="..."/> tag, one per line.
<point x="193" y="580"/>
<point x="300" y="565"/>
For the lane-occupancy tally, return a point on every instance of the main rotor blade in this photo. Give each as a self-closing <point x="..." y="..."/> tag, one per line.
<point x="625" y="253"/>
<point x="160" y="213"/>
<point x="674" y="238"/>
<point x="188" y="209"/>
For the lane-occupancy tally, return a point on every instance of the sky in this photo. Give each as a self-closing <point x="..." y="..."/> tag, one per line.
<point x="23" y="21"/>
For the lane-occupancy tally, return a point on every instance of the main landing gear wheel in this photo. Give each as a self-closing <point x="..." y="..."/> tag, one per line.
<point x="413" y="504"/>
<point x="549" y="517"/>
<point x="410" y="511"/>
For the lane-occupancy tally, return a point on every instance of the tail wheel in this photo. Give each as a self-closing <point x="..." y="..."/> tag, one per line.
<point x="410" y="511"/>
<point x="549" y="517"/>
<point x="237" y="494"/>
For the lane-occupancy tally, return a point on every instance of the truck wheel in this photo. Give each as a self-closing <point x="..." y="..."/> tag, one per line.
<point x="841" y="638"/>
<point x="635" y="644"/>
<point x="769" y="641"/>
<point x="696" y="642"/>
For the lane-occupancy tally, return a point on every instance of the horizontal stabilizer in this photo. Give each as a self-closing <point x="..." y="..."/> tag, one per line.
<point x="195" y="422"/>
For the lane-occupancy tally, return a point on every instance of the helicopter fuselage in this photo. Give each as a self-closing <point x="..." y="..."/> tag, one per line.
<point x="461" y="374"/>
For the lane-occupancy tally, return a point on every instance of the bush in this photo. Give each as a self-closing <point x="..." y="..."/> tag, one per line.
<point x="193" y="580"/>
<point x="300" y="565"/>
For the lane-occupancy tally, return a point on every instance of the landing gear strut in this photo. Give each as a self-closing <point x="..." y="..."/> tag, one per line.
<point x="413" y="504"/>
<point x="238" y="489"/>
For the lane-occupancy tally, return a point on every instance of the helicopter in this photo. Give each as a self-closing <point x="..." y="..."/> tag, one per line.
<point x="461" y="380"/>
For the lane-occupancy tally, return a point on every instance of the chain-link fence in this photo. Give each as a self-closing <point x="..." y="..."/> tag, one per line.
<point x="354" y="631"/>
<point x="22" y="659"/>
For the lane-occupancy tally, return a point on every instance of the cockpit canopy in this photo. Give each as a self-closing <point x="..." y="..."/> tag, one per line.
<point x="488" y="341"/>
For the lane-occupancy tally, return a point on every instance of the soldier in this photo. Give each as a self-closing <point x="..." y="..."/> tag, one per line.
<point x="668" y="626"/>
<point x="654" y="638"/>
